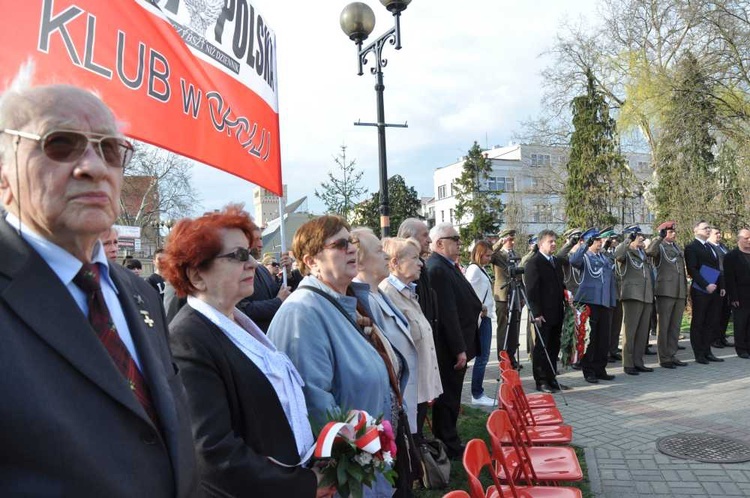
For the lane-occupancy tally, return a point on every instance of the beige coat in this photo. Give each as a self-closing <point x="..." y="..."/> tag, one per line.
<point x="429" y="386"/>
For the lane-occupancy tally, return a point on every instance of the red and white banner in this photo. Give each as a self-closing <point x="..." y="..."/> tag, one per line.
<point x="197" y="77"/>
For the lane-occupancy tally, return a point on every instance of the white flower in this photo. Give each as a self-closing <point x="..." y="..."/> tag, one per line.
<point x="387" y="458"/>
<point x="363" y="458"/>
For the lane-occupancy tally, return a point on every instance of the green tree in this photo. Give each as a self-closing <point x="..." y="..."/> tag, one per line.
<point x="403" y="200"/>
<point x="476" y="204"/>
<point x="686" y="182"/>
<point x="595" y="164"/>
<point x="340" y="193"/>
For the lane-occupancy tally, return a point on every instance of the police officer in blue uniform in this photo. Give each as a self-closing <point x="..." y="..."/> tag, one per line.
<point x="598" y="291"/>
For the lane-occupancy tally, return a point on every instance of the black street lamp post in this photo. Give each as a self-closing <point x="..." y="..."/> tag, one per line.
<point x="357" y="21"/>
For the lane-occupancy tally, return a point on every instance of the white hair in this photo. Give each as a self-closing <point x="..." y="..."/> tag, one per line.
<point x="409" y="227"/>
<point x="438" y="231"/>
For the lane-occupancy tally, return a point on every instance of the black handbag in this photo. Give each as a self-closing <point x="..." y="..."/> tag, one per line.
<point x="436" y="466"/>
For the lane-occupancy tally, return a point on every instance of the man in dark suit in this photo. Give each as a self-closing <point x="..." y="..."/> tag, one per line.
<point x="263" y="304"/>
<point x="720" y="340"/>
<point x="546" y="292"/>
<point x="456" y="338"/>
<point x="737" y="279"/>
<point x="705" y="295"/>
<point x="91" y="401"/>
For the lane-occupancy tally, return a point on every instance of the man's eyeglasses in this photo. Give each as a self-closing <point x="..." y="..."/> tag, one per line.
<point x="454" y="238"/>
<point x="240" y="254"/>
<point x="341" y="244"/>
<point x="275" y="264"/>
<point x="66" y="146"/>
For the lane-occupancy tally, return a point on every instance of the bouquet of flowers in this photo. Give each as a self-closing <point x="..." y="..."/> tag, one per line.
<point x="353" y="449"/>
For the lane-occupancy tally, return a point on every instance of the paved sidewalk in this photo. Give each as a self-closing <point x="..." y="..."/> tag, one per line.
<point x="618" y="422"/>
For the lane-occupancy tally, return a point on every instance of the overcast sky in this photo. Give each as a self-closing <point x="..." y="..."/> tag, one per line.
<point x="468" y="70"/>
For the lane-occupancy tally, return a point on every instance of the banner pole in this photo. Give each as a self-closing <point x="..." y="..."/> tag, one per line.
<point x="282" y="234"/>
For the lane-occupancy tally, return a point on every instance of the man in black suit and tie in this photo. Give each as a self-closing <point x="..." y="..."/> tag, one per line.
<point x="720" y="340"/>
<point x="737" y="279"/>
<point x="705" y="295"/>
<point x="456" y="338"/>
<point x="91" y="401"/>
<point x="263" y="304"/>
<point x="546" y="292"/>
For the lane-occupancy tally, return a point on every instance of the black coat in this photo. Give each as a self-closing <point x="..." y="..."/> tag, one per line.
<point x="737" y="277"/>
<point x="70" y="424"/>
<point x="458" y="308"/>
<point x="263" y="304"/>
<point x="698" y="255"/>
<point x="236" y="416"/>
<point x="545" y="288"/>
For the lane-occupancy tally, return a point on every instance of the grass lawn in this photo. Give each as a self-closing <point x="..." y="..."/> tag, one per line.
<point x="471" y="425"/>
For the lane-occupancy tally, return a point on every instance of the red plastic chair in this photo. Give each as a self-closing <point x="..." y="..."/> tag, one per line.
<point x="534" y="400"/>
<point x="459" y="493"/>
<point x="538" y="435"/>
<point x="532" y="416"/>
<point x="477" y="457"/>
<point x="532" y="464"/>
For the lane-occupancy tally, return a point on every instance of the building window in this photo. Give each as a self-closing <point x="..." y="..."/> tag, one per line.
<point x="441" y="192"/>
<point x="541" y="160"/>
<point x="450" y="214"/>
<point x="642" y="166"/>
<point x="501" y="184"/>
<point x="541" y="213"/>
<point x="442" y="216"/>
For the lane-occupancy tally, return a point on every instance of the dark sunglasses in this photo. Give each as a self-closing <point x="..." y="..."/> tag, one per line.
<point x="454" y="238"/>
<point x="240" y="254"/>
<point x="341" y="244"/>
<point x="66" y="146"/>
<point x="274" y="264"/>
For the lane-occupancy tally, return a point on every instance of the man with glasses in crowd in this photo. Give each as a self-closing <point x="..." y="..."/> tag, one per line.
<point x="456" y="340"/>
<point x="269" y="293"/>
<point x="702" y="264"/>
<point x="91" y="404"/>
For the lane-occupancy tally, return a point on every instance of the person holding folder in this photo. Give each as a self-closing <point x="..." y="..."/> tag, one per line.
<point x="702" y="265"/>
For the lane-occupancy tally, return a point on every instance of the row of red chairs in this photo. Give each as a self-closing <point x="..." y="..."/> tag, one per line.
<point x="522" y="464"/>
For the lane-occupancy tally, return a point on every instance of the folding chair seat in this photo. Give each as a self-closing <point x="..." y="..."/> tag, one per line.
<point x="531" y="463"/>
<point x="534" y="400"/>
<point x="532" y="416"/>
<point x="539" y="435"/>
<point x="477" y="457"/>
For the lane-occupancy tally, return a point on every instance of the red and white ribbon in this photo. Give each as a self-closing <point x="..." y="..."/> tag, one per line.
<point x="358" y="419"/>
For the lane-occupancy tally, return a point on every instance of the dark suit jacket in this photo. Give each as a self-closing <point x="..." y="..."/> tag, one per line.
<point x="427" y="298"/>
<point x="458" y="307"/>
<point x="697" y="255"/>
<point x="737" y="277"/>
<point x="263" y="304"/>
<point x="237" y="417"/>
<point x="545" y="288"/>
<point x="70" y="424"/>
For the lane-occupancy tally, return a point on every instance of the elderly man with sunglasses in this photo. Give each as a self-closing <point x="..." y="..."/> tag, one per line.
<point x="457" y="335"/>
<point x="91" y="404"/>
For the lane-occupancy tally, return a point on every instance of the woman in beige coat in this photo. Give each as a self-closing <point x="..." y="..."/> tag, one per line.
<point x="405" y="267"/>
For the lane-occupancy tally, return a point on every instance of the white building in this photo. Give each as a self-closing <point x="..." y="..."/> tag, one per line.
<point x="531" y="179"/>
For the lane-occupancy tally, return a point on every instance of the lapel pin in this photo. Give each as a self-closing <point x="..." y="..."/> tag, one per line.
<point x="138" y="299"/>
<point x="147" y="318"/>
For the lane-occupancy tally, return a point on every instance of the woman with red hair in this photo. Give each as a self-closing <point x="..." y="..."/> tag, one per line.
<point x="249" y="418"/>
